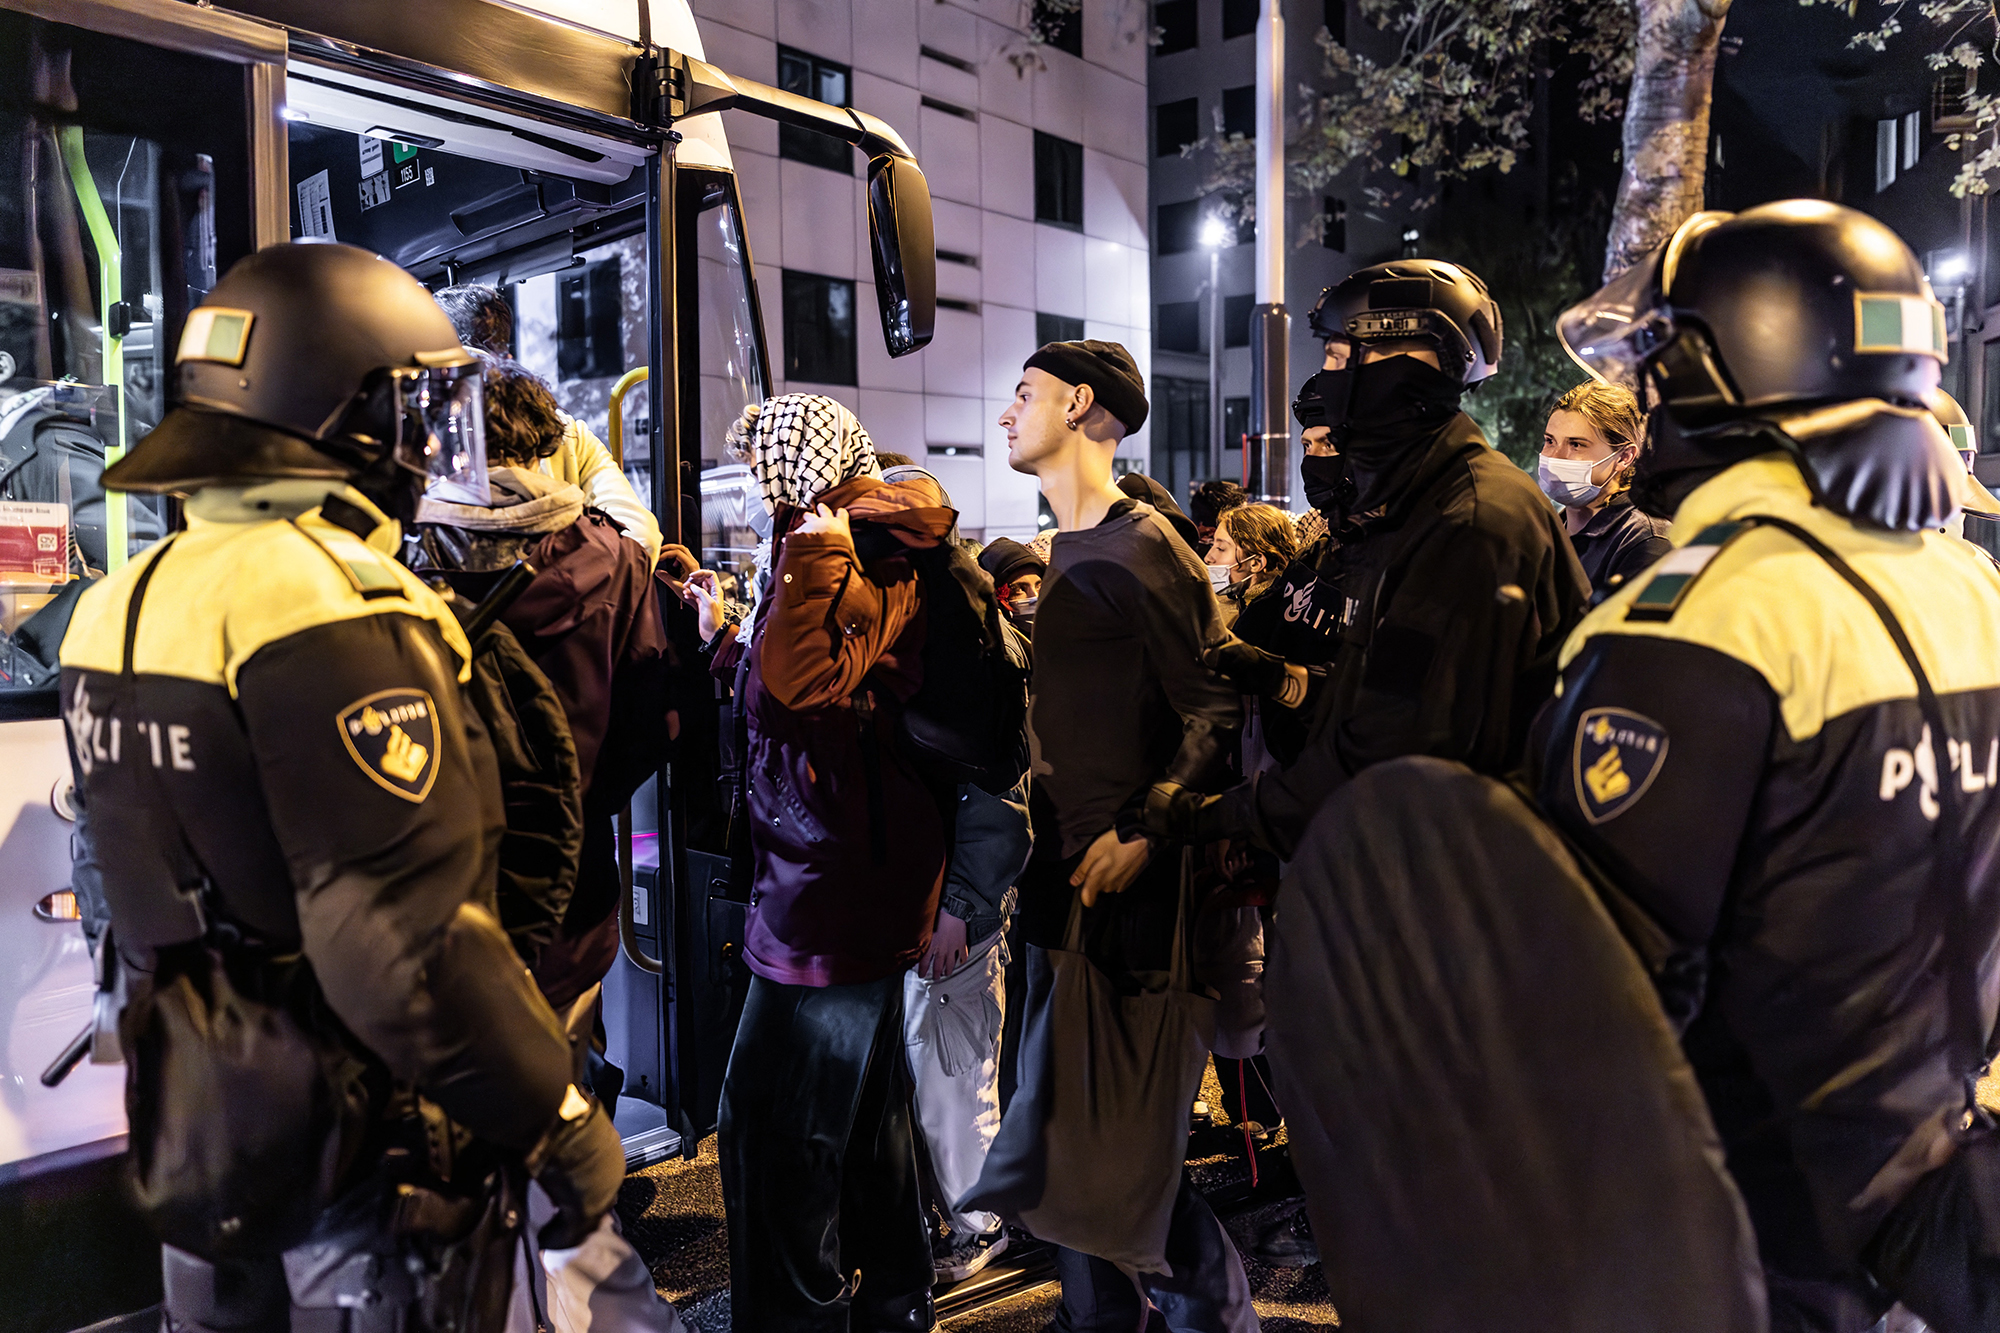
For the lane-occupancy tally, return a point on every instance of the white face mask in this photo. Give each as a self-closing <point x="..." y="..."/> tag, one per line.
<point x="1218" y="576"/>
<point x="1567" y="480"/>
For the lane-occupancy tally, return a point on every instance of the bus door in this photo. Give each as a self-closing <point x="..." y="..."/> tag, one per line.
<point x="140" y="156"/>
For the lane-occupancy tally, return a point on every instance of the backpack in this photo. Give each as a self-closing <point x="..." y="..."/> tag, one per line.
<point x="969" y="720"/>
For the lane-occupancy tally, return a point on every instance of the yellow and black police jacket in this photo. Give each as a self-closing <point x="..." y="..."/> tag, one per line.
<point x="1742" y="752"/>
<point x="282" y="719"/>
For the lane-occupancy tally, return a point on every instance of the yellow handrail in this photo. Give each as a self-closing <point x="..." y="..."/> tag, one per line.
<point x="111" y="281"/>
<point x="617" y="423"/>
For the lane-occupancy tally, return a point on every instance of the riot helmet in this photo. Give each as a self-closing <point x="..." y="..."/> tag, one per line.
<point x="1427" y="299"/>
<point x="316" y="360"/>
<point x="1800" y="325"/>
<point x="1973" y="497"/>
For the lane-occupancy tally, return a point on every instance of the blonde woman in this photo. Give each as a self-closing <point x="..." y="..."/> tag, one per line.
<point x="1589" y="450"/>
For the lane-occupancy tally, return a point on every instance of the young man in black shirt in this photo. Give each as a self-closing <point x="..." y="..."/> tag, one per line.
<point x="1121" y="701"/>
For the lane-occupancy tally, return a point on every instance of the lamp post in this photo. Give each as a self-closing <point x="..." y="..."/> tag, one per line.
<point x="1214" y="235"/>
<point x="1271" y="324"/>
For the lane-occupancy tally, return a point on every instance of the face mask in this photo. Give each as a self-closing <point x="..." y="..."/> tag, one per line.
<point x="1325" y="478"/>
<point x="1392" y="401"/>
<point x="1218" y="576"/>
<point x="1022" y="608"/>
<point x="1567" y="480"/>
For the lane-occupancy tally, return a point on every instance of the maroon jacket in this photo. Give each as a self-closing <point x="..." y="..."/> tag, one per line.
<point x="849" y="840"/>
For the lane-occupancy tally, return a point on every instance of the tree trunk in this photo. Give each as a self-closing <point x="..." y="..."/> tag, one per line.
<point x="1666" y="127"/>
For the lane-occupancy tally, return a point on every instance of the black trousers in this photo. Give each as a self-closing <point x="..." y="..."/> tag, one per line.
<point x="819" y="1170"/>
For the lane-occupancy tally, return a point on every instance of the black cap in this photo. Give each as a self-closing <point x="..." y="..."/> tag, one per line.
<point x="1006" y="560"/>
<point x="1107" y="368"/>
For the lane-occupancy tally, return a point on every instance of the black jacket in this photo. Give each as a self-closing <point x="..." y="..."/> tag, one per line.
<point x="1454" y="600"/>
<point x="287" y="715"/>
<point x="1754" y="773"/>
<point x="1618" y="543"/>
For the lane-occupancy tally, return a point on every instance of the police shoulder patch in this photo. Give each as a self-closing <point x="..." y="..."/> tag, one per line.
<point x="1617" y="755"/>
<point x="393" y="736"/>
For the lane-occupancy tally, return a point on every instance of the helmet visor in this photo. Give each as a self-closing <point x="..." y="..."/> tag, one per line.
<point x="1611" y="333"/>
<point x="441" y="427"/>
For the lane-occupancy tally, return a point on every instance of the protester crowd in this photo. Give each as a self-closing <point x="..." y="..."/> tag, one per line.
<point x="1668" y="768"/>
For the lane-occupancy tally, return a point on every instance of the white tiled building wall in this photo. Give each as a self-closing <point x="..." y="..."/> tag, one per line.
<point x="982" y="181"/>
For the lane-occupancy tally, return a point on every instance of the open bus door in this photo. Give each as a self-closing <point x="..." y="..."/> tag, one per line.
<point x="571" y="156"/>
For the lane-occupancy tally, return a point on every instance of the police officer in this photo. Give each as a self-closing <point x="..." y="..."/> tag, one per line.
<point x="338" y="1070"/>
<point x="1783" y="749"/>
<point x="1452" y="585"/>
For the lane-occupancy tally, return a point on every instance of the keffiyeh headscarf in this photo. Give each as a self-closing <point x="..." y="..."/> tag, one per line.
<point x="799" y="446"/>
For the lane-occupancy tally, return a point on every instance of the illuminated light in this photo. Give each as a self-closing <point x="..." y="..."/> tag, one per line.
<point x="293" y="113"/>
<point x="1213" y="234"/>
<point x="1952" y="266"/>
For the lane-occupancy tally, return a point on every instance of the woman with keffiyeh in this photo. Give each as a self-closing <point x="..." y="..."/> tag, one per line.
<point x="818" y="1163"/>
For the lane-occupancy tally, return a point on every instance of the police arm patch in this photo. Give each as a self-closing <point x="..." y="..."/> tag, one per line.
<point x="1617" y="755"/>
<point x="393" y="736"/>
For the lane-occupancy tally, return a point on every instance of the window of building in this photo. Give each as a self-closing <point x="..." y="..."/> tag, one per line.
<point x="1239" y="111"/>
<point x="1178" y="327"/>
<point x="1239" y="18"/>
<point x="1056" y="329"/>
<point x="589" y="342"/>
<point x="1174" y="124"/>
<point x="1236" y="320"/>
<point x="810" y="76"/>
<point x="1333" y="225"/>
<point x="1912" y="135"/>
<point x="1058" y="181"/>
<point x="1180" y="432"/>
<point x="1060" y="25"/>
<point x="1235" y="425"/>
<point x="1179" y="228"/>
<point x="819" y="328"/>
<point x="1178" y="21"/>
<point x="1885" y="154"/>
<point x="1336" y="20"/>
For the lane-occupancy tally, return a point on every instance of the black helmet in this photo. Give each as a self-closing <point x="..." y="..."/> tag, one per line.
<point x="313" y="360"/>
<point x="1801" y="326"/>
<point x="1417" y="298"/>
<point x="1790" y="303"/>
<point x="1956" y="424"/>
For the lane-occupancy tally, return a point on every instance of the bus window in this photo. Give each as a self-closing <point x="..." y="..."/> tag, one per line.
<point x="106" y="239"/>
<point x="731" y="345"/>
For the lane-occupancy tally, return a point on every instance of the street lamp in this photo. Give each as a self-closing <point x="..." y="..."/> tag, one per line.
<point x="1214" y="235"/>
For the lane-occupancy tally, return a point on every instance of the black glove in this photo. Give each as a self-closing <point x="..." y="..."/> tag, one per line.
<point x="1173" y="813"/>
<point x="580" y="1163"/>
<point x="1250" y="670"/>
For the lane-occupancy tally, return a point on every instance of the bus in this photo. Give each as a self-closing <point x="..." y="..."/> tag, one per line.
<point x="570" y="152"/>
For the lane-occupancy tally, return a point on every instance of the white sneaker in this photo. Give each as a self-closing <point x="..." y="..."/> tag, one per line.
<point x="962" y="1261"/>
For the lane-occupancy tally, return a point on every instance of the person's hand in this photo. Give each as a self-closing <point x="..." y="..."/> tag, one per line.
<point x="1250" y="670"/>
<point x="677" y="561"/>
<point x="823" y="519"/>
<point x="1110" y="866"/>
<point x="701" y="593"/>
<point x="948" y="949"/>
<point x="579" y="1164"/>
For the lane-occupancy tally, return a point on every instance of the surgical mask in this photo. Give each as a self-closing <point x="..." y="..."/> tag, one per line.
<point x="1567" y="480"/>
<point x="1219" y="577"/>
<point x="1023" y="608"/>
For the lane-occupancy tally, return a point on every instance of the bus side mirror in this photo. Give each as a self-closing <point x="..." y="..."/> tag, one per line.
<point x="899" y="232"/>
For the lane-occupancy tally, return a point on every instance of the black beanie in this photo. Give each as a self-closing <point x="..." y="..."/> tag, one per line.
<point x="1004" y="560"/>
<point x="1107" y="368"/>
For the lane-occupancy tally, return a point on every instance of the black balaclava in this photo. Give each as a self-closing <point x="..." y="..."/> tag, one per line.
<point x="1381" y="414"/>
<point x="1328" y="487"/>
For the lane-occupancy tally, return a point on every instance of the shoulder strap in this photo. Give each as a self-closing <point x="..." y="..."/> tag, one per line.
<point x="1967" y="1025"/>
<point x="369" y="577"/>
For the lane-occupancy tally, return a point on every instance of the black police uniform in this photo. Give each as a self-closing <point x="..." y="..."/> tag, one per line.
<point x="1753" y="770"/>
<point x="273" y="762"/>
<point x="1453" y="600"/>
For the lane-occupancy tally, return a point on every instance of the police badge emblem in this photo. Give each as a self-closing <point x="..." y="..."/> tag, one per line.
<point x="1617" y="755"/>
<point x="393" y="736"/>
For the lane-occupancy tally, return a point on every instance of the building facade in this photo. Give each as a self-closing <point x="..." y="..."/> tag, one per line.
<point x="1203" y="83"/>
<point x="1036" y="154"/>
